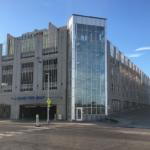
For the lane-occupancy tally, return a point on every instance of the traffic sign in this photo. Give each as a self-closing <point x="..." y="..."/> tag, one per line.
<point x="48" y="101"/>
<point x="48" y="105"/>
<point x="57" y="110"/>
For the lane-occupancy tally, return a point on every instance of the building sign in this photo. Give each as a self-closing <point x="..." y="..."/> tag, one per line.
<point x="31" y="97"/>
<point x="28" y="36"/>
<point x="40" y="33"/>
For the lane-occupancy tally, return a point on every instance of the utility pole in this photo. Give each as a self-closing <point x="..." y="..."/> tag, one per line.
<point x="48" y="98"/>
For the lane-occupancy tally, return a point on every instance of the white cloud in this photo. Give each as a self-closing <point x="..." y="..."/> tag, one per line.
<point x="143" y="48"/>
<point x="134" y="55"/>
<point x="46" y="4"/>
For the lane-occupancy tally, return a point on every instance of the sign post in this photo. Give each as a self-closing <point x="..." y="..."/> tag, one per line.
<point x="48" y="99"/>
<point x="48" y="107"/>
<point x="108" y="107"/>
<point x="37" y="121"/>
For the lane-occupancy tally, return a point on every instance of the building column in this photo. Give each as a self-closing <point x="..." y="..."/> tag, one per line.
<point x="16" y="85"/>
<point x="14" y="111"/>
<point x="62" y="111"/>
<point x="38" y="67"/>
<point x="111" y="106"/>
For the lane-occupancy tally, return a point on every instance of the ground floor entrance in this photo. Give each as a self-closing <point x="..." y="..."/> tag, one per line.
<point x="30" y="111"/>
<point x="79" y="113"/>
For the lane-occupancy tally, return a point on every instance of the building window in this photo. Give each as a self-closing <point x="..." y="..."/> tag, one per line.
<point x="45" y="39"/>
<point x="122" y="58"/>
<point x="7" y="76"/>
<point x="28" y="44"/>
<point x="111" y="50"/>
<point x="50" y="68"/>
<point x="27" y="76"/>
<point x="50" y="43"/>
<point x="11" y="47"/>
<point x="89" y="68"/>
<point x="117" y="54"/>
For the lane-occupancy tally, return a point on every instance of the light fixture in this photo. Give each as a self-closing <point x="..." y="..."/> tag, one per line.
<point x="4" y="84"/>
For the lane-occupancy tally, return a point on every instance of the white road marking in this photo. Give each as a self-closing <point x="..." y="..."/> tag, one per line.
<point x="8" y="134"/>
<point x="19" y="132"/>
<point x="25" y="130"/>
<point x="14" y="132"/>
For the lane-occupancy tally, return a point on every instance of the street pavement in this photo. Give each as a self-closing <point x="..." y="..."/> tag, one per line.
<point x="63" y="135"/>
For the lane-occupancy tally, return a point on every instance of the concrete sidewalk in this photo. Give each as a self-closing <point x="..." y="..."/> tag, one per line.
<point x="137" y="118"/>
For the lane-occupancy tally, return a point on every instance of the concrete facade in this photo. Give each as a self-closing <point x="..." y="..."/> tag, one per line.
<point x="128" y="86"/>
<point x="58" y="95"/>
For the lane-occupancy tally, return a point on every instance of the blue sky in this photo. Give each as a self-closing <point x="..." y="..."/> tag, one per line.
<point x="128" y="21"/>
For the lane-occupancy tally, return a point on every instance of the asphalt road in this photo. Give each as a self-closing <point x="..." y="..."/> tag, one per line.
<point x="131" y="132"/>
<point x="71" y="136"/>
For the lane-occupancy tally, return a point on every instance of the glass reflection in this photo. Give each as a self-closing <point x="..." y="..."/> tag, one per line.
<point x="90" y="68"/>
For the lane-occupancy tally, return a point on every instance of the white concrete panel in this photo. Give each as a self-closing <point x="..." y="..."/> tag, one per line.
<point x="102" y="22"/>
<point x="70" y="21"/>
<point x="73" y="65"/>
<point x="73" y="36"/>
<point x="88" y="21"/>
<point x="97" y="22"/>
<point x="14" y="111"/>
<point x="93" y="21"/>
<point x="73" y="44"/>
<point x="73" y="54"/>
<point x="105" y="23"/>
<point x="84" y="20"/>
<point x="74" y="19"/>
<point x="79" y="19"/>
<point x="106" y="31"/>
<point x="72" y="117"/>
<point x="73" y="26"/>
<point x="73" y="113"/>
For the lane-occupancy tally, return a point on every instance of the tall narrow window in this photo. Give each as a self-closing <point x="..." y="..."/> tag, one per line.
<point x="11" y="47"/>
<point x="7" y="75"/>
<point x="50" y="68"/>
<point x="27" y="76"/>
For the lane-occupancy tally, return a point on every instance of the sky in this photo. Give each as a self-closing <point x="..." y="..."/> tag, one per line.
<point x="128" y="21"/>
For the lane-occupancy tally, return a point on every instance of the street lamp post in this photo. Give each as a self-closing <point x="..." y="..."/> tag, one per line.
<point x="48" y="96"/>
<point x="4" y="84"/>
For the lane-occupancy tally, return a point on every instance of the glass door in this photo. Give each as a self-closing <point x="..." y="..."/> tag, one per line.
<point x="79" y="114"/>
